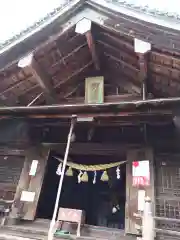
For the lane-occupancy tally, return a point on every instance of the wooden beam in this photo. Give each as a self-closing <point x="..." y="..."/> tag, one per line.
<point x="142" y="48"/>
<point x="65" y="81"/>
<point x="34" y="100"/>
<point x="109" y="98"/>
<point x="75" y="73"/>
<point x="83" y="27"/>
<point x="143" y="74"/>
<point x="30" y="183"/>
<point x="157" y="119"/>
<point x="125" y="83"/>
<point x="92" y="49"/>
<point x="63" y="59"/>
<point x="122" y="54"/>
<point x="29" y="63"/>
<point x="120" y="77"/>
<point x="90" y="148"/>
<point x="119" y="41"/>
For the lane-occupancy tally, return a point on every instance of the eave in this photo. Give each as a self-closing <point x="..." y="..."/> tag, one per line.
<point x="139" y="107"/>
<point x="118" y="17"/>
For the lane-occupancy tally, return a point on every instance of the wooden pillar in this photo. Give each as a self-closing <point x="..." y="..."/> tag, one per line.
<point x="27" y="210"/>
<point x="133" y="220"/>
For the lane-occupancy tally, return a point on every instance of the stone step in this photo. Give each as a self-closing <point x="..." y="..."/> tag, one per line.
<point x="39" y="230"/>
<point x="86" y="230"/>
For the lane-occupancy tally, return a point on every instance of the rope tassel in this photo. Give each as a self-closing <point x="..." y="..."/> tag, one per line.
<point x="84" y="177"/>
<point x="69" y="172"/>
<point x="105" y="177"/>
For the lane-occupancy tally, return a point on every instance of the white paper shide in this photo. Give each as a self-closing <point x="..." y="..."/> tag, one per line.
<point x="33" y="168"/>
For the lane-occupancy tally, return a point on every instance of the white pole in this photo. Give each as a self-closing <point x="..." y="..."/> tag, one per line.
<point x="53" y="221"/>
<point x="148" y="221"/>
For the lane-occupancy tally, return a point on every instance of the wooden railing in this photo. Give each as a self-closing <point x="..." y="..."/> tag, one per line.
<point x="148" y="223"/>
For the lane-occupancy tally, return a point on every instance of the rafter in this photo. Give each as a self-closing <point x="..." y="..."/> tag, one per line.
<point x="92" y="49"/>
<point x="59" y="84"/>
<point x="63" y="59"/>
<point x="29" y="63"/>
<point x="125" y="57"/>
<point x="121" y="42"/>
<point x="73" y="74"/>
<point x="34" y="100"/>
<point x="123" y="64"/>
<point x="122" y="80"/>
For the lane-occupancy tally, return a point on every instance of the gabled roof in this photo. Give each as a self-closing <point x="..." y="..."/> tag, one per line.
<point x="166" y="14"/>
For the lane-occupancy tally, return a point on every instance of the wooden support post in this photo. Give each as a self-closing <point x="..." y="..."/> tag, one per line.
<point x="36" y="181"/>
<point x="133" y="222"/>
<point x="24" y="209"/>
<point x="22" y="185"/>
<point x="92" y="49"/>
<point x="29" y="63"/>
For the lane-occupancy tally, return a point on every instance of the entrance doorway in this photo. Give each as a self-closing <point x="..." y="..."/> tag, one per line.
<point x="103" y="202"/>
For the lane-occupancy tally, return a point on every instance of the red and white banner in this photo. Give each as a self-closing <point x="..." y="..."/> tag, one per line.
<point x="141" y="173"/>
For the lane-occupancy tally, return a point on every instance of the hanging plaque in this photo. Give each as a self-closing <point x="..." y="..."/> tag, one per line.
<point x="94" y="90"/>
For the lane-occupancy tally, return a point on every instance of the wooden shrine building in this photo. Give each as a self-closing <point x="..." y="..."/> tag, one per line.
<point x="115" y="67"/>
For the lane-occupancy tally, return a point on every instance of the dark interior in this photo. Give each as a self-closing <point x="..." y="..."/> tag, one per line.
<point x="97" y="200"/>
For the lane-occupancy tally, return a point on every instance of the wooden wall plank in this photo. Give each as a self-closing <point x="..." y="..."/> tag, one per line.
<point x="131" y="220"/>
<point x="23" y="184"/>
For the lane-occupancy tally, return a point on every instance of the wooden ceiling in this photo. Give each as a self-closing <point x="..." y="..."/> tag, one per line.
<point x="68" y="60"/>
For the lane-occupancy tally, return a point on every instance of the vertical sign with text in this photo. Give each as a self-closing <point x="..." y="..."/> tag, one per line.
<point x="140" y="173"/>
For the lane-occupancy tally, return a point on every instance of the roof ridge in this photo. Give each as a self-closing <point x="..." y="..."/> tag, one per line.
<point x="147" y="9"/>
<point x="131" y="4"/>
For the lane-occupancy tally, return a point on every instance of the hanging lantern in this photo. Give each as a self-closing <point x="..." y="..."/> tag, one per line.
<point x="118" y="173"/>
<point x="69" y="172"/>
<point x="95" y="176"/>
<point x="59" y="169"/>
<point x="84" y="177"/>
<point x="105" y="177"/>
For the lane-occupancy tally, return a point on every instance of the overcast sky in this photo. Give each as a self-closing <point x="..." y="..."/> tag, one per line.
<point x="17" y="15"/>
